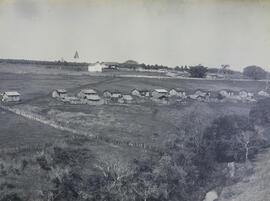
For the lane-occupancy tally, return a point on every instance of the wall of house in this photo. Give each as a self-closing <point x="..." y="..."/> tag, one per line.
<point x="11" y="98"/>
<point x="156" y="94"/>
<point x="135" y="93"/>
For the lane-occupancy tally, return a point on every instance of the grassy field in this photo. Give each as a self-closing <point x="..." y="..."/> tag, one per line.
<point x="25" y="143"/>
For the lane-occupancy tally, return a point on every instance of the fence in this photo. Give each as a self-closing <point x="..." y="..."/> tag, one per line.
<point x="53" y="124"/>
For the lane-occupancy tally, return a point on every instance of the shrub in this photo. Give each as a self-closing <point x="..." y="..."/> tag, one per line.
<point x="230" y="138"/>
<point x="260" y="112"/>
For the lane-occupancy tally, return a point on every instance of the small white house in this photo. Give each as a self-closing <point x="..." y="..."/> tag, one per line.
<point x="115" y="96"/>
<point x="59" y="93"/>
<point x="127" y="98"/>
<point x="85" y="93"/>
<point x="107" y="94"/>
<point x="177" y="92"/>
<point x="96" y="67"/>
<point x="142" y="92"/>
<point x="11" y="96"/>
<point x="251" y="95"/>
<point x="226" y="93"/>
<point x="200" y="95"/>
<point x="263" y="93"/>
<point x="93" y="97"/>
<point x="243" y="94"/>
<point x="158" y="93"/>
<point x="135" y="92"/>
<point x="73" y="100"/>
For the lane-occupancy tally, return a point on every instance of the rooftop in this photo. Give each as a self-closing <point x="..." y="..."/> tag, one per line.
<point x="93" y="97"/>
<point x="127" y="97"/>
<point x="178" y="89"/>
<point x="115" y="92"/>
<point x="161" y="90"/>
<point x="88" y="91"/>
<point x="12" y="93"/>
<point x="61" y="90"/>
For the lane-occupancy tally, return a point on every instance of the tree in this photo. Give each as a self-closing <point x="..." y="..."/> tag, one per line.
<point x="260" y="112"/>
<point x="117" y="173"/>
<point x="255" y="72"/>
<point x="224" y="69"/>
<point x="232" y="138"/>
<point x="198" y="71"/>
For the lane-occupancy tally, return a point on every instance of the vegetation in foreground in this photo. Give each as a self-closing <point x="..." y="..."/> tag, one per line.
<point x="194" y="161"/>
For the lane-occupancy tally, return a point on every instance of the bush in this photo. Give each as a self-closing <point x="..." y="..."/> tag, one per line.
<point x="230" y="138"/>
<point x="255" y="72"/>
<point x="260" y="112"/>
<point x="198" y="71"/>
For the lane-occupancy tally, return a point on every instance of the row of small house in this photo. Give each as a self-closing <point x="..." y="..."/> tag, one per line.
<point x="91" y="95"/>
<point x="158" y="95"/>
<point x="162" y="95"/>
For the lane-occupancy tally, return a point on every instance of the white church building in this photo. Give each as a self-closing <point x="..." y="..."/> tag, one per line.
<point x="96" y="67"/>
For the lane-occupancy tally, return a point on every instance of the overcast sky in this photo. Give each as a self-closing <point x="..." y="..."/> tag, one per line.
<point x="168" y="32"/>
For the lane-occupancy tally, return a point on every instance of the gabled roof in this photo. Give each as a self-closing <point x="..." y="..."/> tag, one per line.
<point x="12" y="93"/>
<point x="115" y="95"/>
<point x="143" y="90"/>
<point x="127" y="97"/>
<point x="61" y="90"/>
<point x="178" y="89"/>
<point x="88" y="91"/>
<point x="116" y="92"/>
<point x="161" y="90"/>
<point x="93" y="97"/>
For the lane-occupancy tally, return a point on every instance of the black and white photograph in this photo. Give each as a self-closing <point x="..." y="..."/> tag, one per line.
<point x="134" y="100"/>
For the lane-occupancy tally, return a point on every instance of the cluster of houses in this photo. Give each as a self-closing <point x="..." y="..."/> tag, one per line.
<point x="91" y="96"/>
<point x="163" y="96"/>
<point x="85" y="96"/>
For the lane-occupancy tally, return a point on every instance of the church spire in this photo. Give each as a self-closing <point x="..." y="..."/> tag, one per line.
<point x="76" y="56"/>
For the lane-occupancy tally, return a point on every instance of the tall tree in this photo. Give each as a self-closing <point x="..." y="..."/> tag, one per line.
<point x="198" y="71"/>
<point x="255" y="72"/>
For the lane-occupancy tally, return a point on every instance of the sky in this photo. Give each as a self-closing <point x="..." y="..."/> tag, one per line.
<point x="167" y="32"/>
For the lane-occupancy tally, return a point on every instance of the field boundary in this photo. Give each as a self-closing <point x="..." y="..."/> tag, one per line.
<point x="41" y="119"/>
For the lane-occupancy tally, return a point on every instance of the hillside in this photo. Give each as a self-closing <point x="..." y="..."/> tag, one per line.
<point x="53" y="150"/>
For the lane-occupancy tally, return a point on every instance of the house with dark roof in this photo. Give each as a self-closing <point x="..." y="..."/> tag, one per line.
<point x="86" y="92"/>
<point x="177" y="93"/>
<point x="141" y="92"/>
<point x="59" y="93"/>
<point x="160" y="93"/>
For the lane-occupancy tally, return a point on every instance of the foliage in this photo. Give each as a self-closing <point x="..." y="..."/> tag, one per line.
<point x="198" y="71"/>
<point x="223" y="71"/>
<point x="231" y="138"/>
<point x="255" y="72"/>
<point x="181" y="172"/>
<point x="260" y="112"/>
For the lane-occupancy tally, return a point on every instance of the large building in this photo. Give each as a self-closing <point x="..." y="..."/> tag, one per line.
<point x="96" y="67"/>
